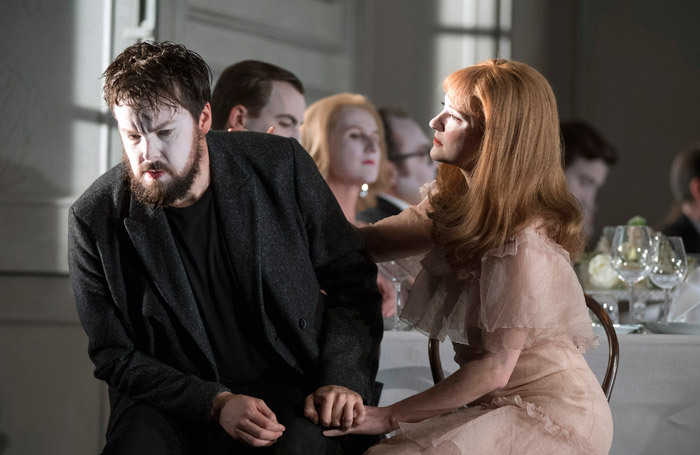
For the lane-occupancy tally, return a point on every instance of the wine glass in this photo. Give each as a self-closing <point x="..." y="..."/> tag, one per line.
<point x="630" y="257"/>
<point x="396" y="274"/>
<point x="668" y="267"/>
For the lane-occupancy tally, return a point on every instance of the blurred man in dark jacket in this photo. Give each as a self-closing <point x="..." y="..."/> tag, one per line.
<point x="685" y="186"/>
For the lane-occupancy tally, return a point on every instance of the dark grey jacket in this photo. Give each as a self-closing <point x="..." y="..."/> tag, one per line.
<point x="684" y="228"/>
<point x="289" y="240"/>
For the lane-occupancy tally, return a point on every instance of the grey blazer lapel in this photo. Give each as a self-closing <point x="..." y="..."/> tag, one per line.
<point x="150" y="233"/>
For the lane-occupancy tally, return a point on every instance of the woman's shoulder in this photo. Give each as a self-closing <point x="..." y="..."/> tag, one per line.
<point x="533" y="239"/>
<point x="428" y="189"/>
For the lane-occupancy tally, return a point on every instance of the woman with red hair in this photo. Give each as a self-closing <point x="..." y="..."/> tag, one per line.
<point x="500" y="228"/>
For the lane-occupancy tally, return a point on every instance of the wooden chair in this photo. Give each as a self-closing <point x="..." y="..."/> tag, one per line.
<point x="434" y="357"/>
<point x="613" y="344"/>
<point x="593" y="305"/>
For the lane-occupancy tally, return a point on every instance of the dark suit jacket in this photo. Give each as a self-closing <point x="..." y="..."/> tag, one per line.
<point x="683" y="227"/>
<point x="383" y="209"/>
<point x="288" y="238"/>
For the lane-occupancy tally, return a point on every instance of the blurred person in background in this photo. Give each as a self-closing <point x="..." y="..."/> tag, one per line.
<point x="258" y="96"/>
<point x="685" y="187"/>
<point x="344" y="135"/>
<point x="409" y="168"/>
<point x="588" y="157"/>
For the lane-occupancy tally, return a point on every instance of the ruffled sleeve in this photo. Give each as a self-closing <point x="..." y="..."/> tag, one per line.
<point x="527" y="285"/>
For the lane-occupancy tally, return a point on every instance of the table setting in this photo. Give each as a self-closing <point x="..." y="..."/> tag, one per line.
<point x="683" y="316"/>
<point x="644" y="280"/>
<point x="650" y="288"/>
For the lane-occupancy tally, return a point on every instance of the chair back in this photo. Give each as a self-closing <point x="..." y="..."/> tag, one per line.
<point x="434" y="358"/>
<point x="601" y="314"/>
<point x="613" y="344"/>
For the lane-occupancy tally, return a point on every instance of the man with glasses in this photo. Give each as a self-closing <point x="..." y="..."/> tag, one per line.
<point x="409" y="166"/>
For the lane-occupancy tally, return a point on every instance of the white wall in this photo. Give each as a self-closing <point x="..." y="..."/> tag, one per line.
<point x="315" y="39"/>
<point x="632" y="69"/>
<point x="417" y="43"/>
<point x="51" y="129"/>
<point x="50" y="126"/>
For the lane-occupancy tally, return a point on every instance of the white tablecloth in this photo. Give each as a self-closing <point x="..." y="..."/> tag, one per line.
<point x="655" y="402"/>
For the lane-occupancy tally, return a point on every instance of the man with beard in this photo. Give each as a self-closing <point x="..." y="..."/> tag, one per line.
<point x="197" y="265"/>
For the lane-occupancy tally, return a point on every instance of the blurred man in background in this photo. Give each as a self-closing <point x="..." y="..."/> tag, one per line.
<point x="255" y="96"/>
<point x="410" y="165"/>
<point x="588" y="157"/>
<point x="685" y="186"/>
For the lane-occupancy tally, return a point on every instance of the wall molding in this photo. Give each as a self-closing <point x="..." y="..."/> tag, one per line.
<point x="230" y="22"/>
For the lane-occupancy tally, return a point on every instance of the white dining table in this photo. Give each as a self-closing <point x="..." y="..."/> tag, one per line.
<point x="655" y="402"/>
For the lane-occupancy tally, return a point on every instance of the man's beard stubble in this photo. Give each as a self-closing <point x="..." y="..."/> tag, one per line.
<point x="164" y="194"/>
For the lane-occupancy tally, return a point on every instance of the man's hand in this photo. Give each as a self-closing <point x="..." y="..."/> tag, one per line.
<point x="335" y="406"/>
<point x="247" y="419"/>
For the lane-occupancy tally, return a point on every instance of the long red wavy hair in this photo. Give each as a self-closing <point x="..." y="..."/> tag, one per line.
<point x="518" y="178"/>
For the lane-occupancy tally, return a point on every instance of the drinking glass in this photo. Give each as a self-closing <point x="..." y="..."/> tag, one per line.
<point x="630" y="257"/>
<point x="398" y="325"/>
<point x="668" y="267"/>
<point x="396" y="274"/>
<point x="612" y="309"/>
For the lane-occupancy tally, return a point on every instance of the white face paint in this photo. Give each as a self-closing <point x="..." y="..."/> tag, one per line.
<point x="161" y="149"/>
<point x="284" y="110"/>
<point x="354" y="147"/>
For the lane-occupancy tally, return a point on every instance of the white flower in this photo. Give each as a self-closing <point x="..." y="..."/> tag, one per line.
<point x="601" y="273"/>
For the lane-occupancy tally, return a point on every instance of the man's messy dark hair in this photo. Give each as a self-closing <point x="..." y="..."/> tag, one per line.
<point x="582" y="140"/>
<point x="151" y="75"/>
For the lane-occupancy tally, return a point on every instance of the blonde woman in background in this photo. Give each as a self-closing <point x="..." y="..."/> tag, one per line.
<point x="500" y="228"/>
<point x="344" y="135"/>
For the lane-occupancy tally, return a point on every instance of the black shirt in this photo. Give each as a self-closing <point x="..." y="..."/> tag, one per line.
<point x="234" y="330"/>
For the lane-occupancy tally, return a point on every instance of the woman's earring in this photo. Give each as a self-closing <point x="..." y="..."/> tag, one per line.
<point x="364" y="190"/>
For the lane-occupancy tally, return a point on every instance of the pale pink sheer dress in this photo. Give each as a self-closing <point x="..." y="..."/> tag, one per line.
<point x="553" y="404"/>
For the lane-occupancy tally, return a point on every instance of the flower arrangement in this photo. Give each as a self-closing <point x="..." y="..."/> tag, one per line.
<point x="600" y="272"/>
<point x="594" y="269"/>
